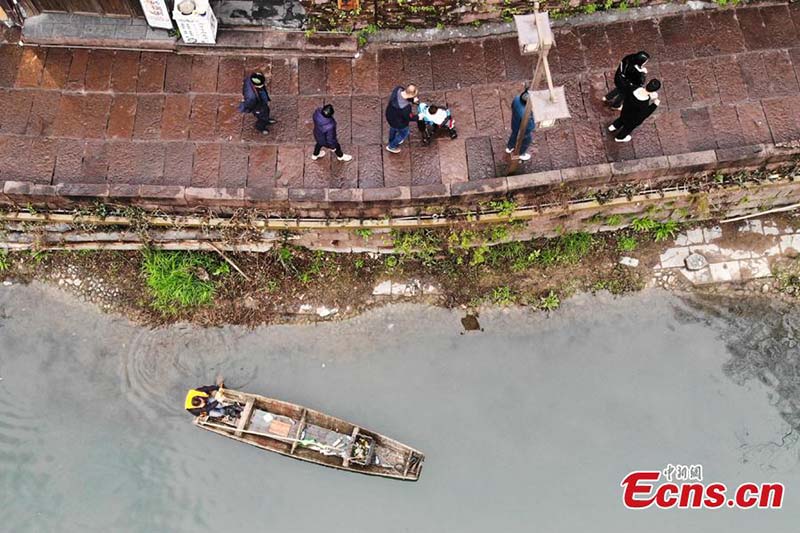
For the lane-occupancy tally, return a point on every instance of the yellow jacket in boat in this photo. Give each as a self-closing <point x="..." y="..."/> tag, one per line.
<point x="202" y="392"/>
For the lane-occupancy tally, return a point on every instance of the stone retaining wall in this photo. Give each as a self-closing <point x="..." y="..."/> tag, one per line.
<point x="546" y="203"/>
<point x="325" y="15"/>
<point x="537" y="189"/>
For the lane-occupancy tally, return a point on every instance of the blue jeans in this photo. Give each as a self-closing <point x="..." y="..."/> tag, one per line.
<point x="397" y="135"/>
<point x="526" y="141"/>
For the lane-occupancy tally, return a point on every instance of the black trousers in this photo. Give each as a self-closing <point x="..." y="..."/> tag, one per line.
<point x="262" y="118"/>
<point x="337" y="149"/>
<point x="625" y="128"/>
<point x="614" y="97"/>
<point x="429" y="130"/>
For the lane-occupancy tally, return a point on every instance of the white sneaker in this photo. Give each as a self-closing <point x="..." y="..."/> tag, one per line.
<point x="612" y="128"/>
<point x="315" y="157"/>
<point x="625" y="139"/>
<point x="509" y="150"/>
<point x="524" y="157"/>
<point x="345" y="157"/>
<point x="393" y="150"/>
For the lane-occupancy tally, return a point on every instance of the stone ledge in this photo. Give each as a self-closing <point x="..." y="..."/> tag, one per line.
<point x="407" y="200"/>
<point x="645" y="168"/>
<point x="693" y="161"/>
<point x="545" y="180"/>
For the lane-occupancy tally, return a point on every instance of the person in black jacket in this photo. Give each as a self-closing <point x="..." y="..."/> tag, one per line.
<point x="325" y="134"/>
<point x="256" y="100"/>
<point x="399" y="115"/>
<point x="629" y="76"/>
<point x="638" y="105"/>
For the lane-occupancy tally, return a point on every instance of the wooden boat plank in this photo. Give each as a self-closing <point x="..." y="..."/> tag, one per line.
<point x="244" y="418"/>
<point x="299" y="431"/>
<point x="346" y="460"/>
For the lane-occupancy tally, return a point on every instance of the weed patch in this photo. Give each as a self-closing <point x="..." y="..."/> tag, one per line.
<point x="181" y="280"/>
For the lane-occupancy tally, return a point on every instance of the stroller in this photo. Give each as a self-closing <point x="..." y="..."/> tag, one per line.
<point x="433" y="118"/>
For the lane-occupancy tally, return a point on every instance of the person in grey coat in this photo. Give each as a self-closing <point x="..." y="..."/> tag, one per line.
<point x="325" y="134"/>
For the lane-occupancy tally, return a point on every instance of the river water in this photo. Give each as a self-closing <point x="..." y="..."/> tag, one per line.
<point x="529" y="425"/>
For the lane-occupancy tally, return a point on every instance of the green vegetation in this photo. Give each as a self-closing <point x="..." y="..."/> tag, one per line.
<point x="181" y="280"/>
<point x="503" y="295"/>
<point x="566" y="249"/>
<point x="550" y="302"/>
<point x="504" y="207"/>
<point x="362" y="36"/>
<point x="643" y="224"/>
<point x="627" y="243"/>
<point x="420" y="244"/>
<point x="788" y="277"/>
<point x="665" y="230"/>
<point x="614" y="220"/>
<point x="364" y="233"/>
<point x="4" y="260"/>
<point x="660" y="231"/>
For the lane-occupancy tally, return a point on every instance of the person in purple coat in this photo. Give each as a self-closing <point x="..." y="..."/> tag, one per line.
<point x="325" y="134"/>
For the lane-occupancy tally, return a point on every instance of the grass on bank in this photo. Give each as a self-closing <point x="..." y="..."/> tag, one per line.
<point x="178" y="281"/>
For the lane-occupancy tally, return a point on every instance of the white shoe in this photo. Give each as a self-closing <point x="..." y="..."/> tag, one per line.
<point x="625" y="139"/>
<point x="524" y="157"/>
<point x="509" y="150"/>
<point x="612" y="128"/>
<point x="315" y="157"/>
<point x="345" y="157"/>
<point x="393" y="150"/>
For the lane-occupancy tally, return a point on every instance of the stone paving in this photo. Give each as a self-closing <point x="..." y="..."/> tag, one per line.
<point x="731" y="77"/>
<point x="726" y="263"/>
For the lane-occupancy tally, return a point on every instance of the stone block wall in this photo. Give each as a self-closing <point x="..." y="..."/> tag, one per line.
<point x="399" y="14"/>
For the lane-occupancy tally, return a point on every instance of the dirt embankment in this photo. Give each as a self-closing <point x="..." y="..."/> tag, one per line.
<point x="290" y="284"/>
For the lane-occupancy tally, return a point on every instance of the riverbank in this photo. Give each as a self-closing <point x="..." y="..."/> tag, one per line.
<point x="466" y="268"/>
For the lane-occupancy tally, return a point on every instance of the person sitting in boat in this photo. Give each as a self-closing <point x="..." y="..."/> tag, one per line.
<point x="433" y="118"/>
<point x="200" y="401"/>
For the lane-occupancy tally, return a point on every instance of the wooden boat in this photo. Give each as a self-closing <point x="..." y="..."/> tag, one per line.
<point x="309" y="435"/>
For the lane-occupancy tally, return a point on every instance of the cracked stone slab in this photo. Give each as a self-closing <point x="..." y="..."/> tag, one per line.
<point x="726" y="271"/>
<point x="698" y="277"/>
<point x="790" y="244"/>
<point x="712" y="234"/>
<point x="410" y="288"/>
<point x="752" y="226"/>
<point x="735" y="255"/>
<point x="755" y="268"/>
<point x="384" y="288"/>
<point x="770" y="228"/>
<point x="674" y="257"/>
<point x="711" y="252"/>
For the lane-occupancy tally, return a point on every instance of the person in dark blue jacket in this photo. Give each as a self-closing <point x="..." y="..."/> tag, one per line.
<point x="256" y="100"/>
<point x="517" y="111"/>
<point x="325" y="134"/>
<point x="399" y="115"/>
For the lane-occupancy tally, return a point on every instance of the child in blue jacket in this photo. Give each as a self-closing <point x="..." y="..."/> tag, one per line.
<point x="432" y="118"/>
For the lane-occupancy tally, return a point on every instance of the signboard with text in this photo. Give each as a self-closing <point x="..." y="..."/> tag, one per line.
<point x="156" y="13"/>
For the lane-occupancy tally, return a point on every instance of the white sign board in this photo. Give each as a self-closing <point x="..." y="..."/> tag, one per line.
<point x="197" y="28"/>
<point x="156" y="13"/>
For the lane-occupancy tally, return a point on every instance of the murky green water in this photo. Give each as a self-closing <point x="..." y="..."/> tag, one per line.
<point x="529" y="425"/>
